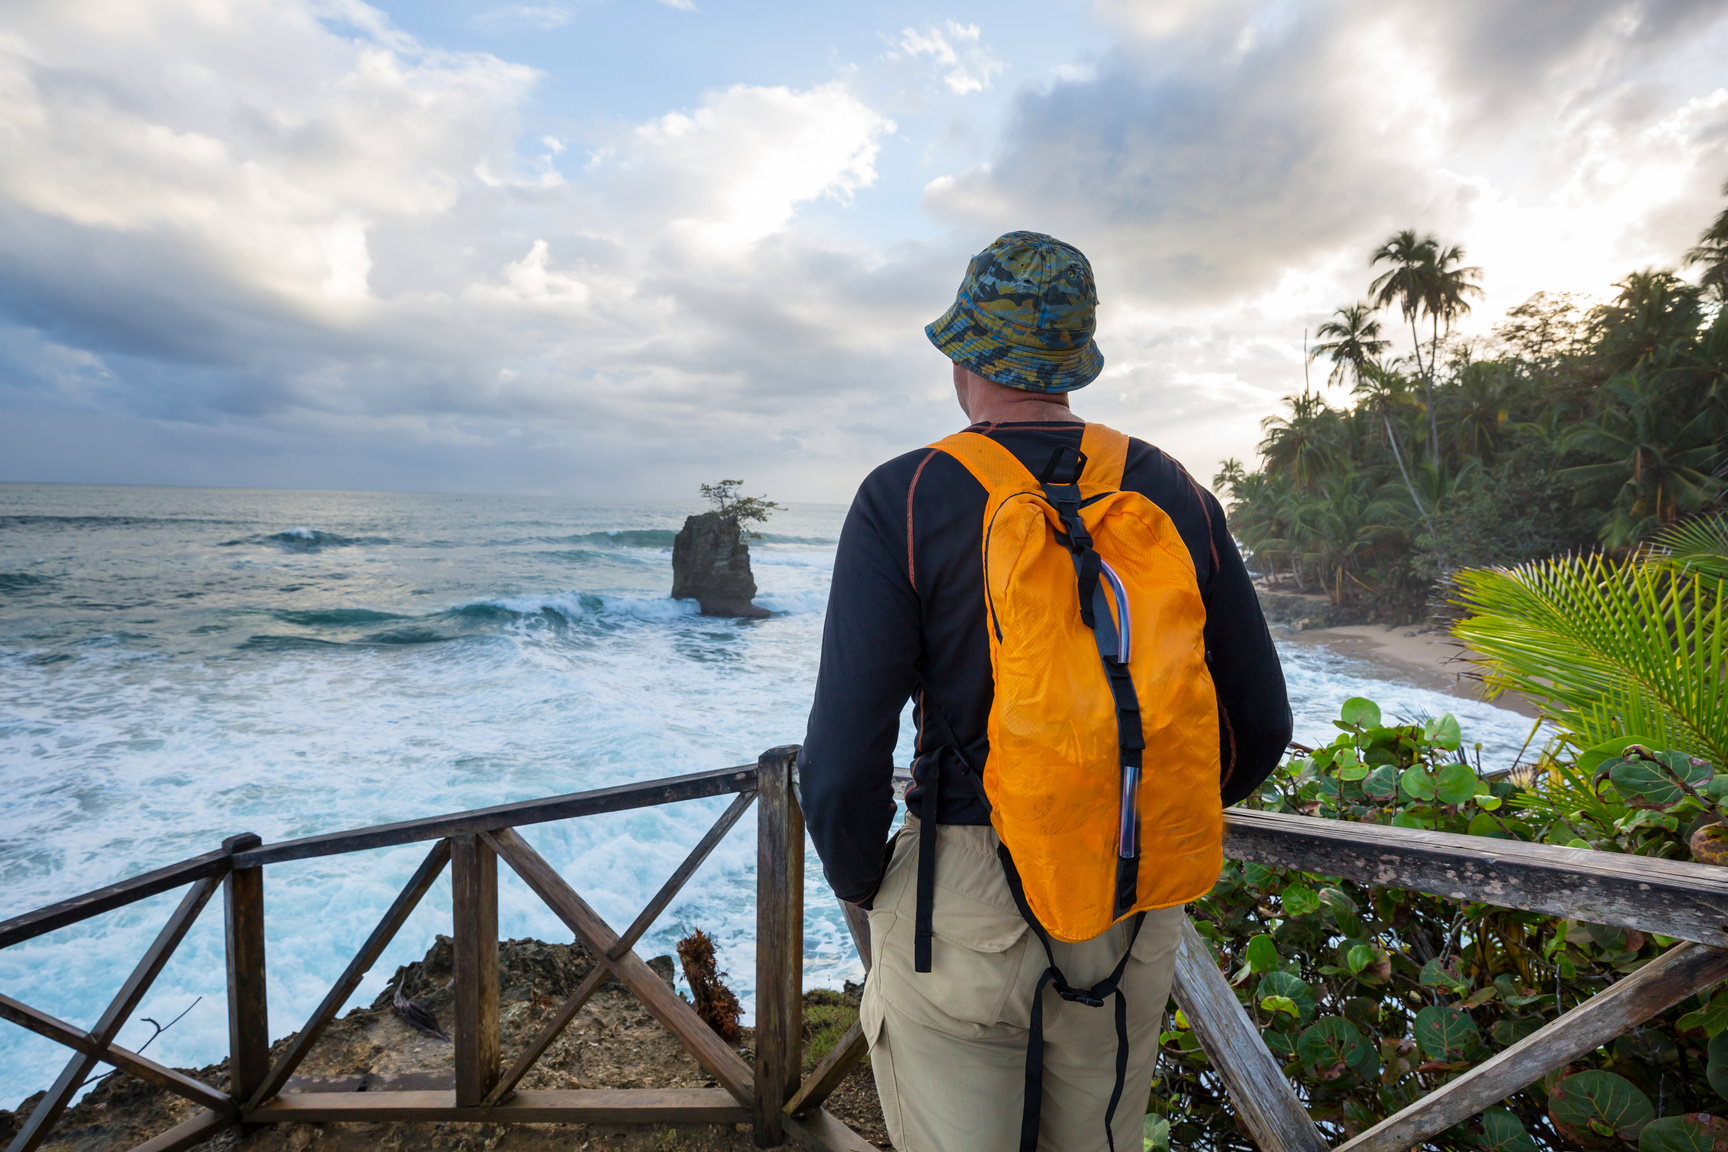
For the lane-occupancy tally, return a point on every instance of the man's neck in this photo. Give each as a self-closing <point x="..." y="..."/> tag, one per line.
<point x="1026" y="411"/>
<point x="987" y="402"/>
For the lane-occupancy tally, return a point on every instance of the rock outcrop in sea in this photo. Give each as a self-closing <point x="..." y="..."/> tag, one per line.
<point x="711" y="565"/>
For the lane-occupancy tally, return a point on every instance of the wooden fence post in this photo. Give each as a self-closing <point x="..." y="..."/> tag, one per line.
<point x="248" y="1004"/>
<point x="779" y="942"/>
<point x="474" y="912"/>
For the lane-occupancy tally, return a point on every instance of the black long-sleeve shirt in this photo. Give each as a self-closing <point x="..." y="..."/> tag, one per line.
<point x="906" y="616"/>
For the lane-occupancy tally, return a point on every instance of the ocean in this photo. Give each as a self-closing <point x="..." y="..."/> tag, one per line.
<point x="178" y="665"/>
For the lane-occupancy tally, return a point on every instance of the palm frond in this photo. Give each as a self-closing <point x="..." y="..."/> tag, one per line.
<point x="1605" y="649"/>
<point x="1700" y="543"/>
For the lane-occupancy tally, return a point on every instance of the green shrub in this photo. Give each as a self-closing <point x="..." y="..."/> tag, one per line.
<point x="1371" y="997"/>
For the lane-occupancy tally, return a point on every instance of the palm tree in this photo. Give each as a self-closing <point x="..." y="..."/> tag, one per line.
<point x="1655" y="309"/>
<point x="1405" y="284"/>
<point x="1447" y="284"/>
<point x="1351" y="339"/>
<point x="1655" y="459"/>
<point x="1712" y="252"/>
<point x="1425" y="279"/>
<point x="1305" y="445"/>
<point x="1382" y="389"/>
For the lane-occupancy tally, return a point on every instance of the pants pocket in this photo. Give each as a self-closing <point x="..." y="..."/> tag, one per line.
<point x="979" y="940"/>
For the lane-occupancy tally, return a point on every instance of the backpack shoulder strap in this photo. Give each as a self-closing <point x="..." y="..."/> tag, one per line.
<point x="991" y="464"/>
<point x="1106" y="452"/>
<point x="998" y="469"/>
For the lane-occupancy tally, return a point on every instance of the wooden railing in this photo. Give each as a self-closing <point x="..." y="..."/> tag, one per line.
<point x="1685" y="901"/>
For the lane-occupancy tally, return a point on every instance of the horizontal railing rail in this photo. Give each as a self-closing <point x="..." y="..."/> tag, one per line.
<point x="1685" y="901"/>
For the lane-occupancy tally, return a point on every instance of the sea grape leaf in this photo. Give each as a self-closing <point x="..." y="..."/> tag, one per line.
<point x="1360" y="712"/>
<point x="1443" y="732"/>
<point x="1359" y="957"/>
<point x="1481" y="996"/>
<point x="1508" y="1032"/>
<point x="1299" y="900"/>
<point x="1717" y="1072"/>
<point x="1690" y="1132"/>
<point x="1292" y="988"/>
<point x="1155" y="1134"/>
<point x="1281" y="1004"/>
<point x="1331" y="1045"/>
<point x="1418" y="783"/>
<point x="1709" y="844"/>
<point x="1712" y="1019"/>
<point x="1382" y="783"/>
<point x="1261" y="877"/>
<point x="1342" y="911"/>
<point x="1592" y="759"/>
<point x="1262" y="953"/>
<point x="1652" y="784"/>
<point x="1594" y="1108"/>
<point x="1502" y="1131"/>
<point x="1455" y="783"/>
<point x="1436" y="975"/>
<point x="1482" y="824"/>
<point x="1444" y="1031"/>
<point x="1353" y="772"/>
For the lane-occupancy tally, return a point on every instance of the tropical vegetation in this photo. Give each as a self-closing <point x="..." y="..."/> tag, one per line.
<point x="1371" y="997"/>
<point x="1569" y="429"/>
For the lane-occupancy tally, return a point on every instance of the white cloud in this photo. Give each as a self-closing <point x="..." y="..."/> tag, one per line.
<point x="289" y="228"/>
<point x="957" y="50"/>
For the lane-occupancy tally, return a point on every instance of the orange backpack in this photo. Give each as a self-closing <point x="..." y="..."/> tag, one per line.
<point x="1095" y="833"/>
<point x="1098" y="652"/>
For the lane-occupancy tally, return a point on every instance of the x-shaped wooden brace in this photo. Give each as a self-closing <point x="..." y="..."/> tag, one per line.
<point x="597" y="975"/>
<point x="96" y="1046"/>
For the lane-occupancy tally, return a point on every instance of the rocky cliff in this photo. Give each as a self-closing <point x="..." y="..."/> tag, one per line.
<point x="711" y="565"/>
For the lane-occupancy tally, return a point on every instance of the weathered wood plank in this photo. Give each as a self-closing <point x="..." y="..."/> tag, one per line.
<point x="1264" y="1099"/>
<point x="779" y="942"/>
<point x="70" y="911"/>
<point x="621" y="797"/>
<point x="41" y="1121"/>
<point x="560" y="1106"/>
<point x="1656" y="987"/>
<point x="829" y="1072"/>
<point x="405" y="903"/>
<point x="188" y="1133"/>
<point x="596" y="976"/>
<point x="677" y="1017"/>
<point x="822" y="1131"/>
<point x="122" y="1058"/>
<point x="474" y="914"/>
<point x="850" y="1048"/>
<point x="1671" y="897"/>
<point x="248" y="1003"/>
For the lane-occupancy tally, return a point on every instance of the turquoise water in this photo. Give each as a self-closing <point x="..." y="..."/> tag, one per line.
<point x="179" y="665"/>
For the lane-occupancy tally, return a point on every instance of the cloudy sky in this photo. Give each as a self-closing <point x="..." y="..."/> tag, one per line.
<point x="623" y="246"/>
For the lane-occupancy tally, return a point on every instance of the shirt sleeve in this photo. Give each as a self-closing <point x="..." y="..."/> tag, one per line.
<point x="1254" y="705"/>
<point x="870" y="650"/>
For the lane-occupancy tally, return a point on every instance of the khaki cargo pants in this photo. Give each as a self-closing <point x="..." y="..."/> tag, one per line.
<point x="948" y="1046"/>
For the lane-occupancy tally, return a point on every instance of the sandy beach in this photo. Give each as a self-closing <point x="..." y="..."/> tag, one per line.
<point x="1420" y="653"/>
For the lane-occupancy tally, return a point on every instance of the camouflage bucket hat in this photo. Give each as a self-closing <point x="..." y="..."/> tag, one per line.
<point x="1024" y="316"/>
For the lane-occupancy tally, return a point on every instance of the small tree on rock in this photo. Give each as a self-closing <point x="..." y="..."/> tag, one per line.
<point x="736" y="509"/>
